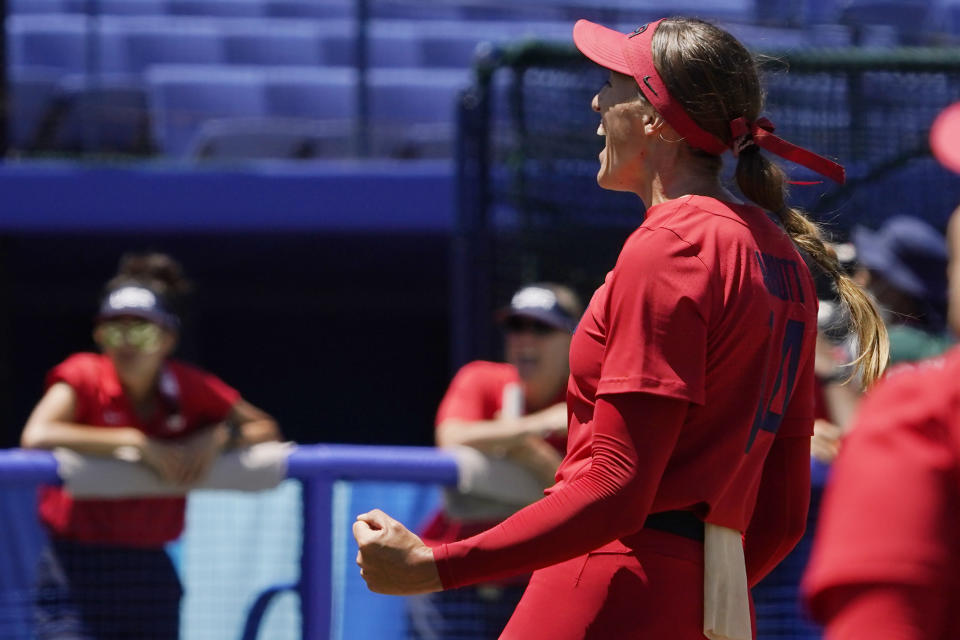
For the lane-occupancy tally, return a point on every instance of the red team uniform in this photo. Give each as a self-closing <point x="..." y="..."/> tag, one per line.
<point x="475" y="394"/>
<point x="886" y="557"/>
<point x="195" y="399"/>
<point x="693" y="357"/>
<point x="105" y="573"/>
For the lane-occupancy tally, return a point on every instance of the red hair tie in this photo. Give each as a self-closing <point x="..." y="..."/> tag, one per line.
<point x="760" y="132"/>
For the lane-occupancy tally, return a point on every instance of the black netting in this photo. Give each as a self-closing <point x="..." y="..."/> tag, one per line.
<point x="544" y="217"/>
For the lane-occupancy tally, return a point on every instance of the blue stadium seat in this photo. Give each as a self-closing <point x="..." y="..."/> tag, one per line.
<point x="131" y="45"/>
<point x="324" y="9"/>
<point x="276" y="46"/>
<point x="108" y="115"/>
<point x="328" y="94"/>
<point x="270" y="138"/>
<point x="907" y="17"/>
<point x="448" y="43"/>
<point x="415" y="11"/>
<point x="395" y="50"/>
<point x="338" y="48"/>
<point x="182" y="97"/>
<point x="21" y="7"/>
<point x="770" y="38"/>
<point x="32" y="94"/>
<point x="413" y="111"/>
<point x="133" y="7"/>
<point x="52" y="41"/>
<point x="221" y="8"/>
<point x="281" y="42"/>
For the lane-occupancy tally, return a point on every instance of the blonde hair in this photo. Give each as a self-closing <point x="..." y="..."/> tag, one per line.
<point x="716" y="80"/>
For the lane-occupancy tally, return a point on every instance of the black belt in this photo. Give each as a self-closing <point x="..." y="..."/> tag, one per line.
<point x="681" y="523"/>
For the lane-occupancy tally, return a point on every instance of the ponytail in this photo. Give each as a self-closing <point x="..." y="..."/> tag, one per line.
<point x="764" y="183"/>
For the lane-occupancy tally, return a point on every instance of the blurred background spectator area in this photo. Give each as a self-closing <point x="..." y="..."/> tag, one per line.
<point x="358" y="183"/>
<point x="355" y="185"/>
<point x="328" y="78"/>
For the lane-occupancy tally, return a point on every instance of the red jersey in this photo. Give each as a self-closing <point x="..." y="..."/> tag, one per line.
<point x="193" y="399"/>
<point x="475" y="394"/>
<point x="709" y="303"/>
<point x="891" y="510"/>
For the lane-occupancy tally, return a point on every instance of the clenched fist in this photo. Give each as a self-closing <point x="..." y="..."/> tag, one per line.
<point x="391" y="558"/>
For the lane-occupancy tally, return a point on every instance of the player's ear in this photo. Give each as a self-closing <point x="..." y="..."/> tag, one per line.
<point x="655" y="124"/>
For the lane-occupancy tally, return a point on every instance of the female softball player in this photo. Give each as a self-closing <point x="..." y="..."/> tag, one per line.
<point x="886" y="558"/>
<point x="105" y="574"/>
<point x="691" y="391"/>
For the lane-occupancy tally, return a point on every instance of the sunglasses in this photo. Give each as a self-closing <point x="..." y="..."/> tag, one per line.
<point x="143" y="336"/>
<point x="518" y="324"/>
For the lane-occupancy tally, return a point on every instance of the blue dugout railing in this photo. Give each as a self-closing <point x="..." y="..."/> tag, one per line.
<point x="318" y="468"/>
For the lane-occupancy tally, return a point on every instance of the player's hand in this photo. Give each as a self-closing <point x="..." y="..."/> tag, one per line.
<point x="548" y="421"/>
<point x="163" y="458"/>
<point x="825" y="444"/>
<point x="391" y="558"/>
<point x="200" y="451"/>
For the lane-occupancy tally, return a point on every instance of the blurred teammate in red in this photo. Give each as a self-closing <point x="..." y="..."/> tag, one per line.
<point x="886" y="558"/>
<point x="691" y="391"/>
<point x="514" y="411"/>
<point x="105" y="574"/>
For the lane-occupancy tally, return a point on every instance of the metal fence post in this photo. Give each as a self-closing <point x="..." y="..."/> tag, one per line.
<point x="316" y="561"/>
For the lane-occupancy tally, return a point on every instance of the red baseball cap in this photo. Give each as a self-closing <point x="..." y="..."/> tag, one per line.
<point x="945" y="137"/>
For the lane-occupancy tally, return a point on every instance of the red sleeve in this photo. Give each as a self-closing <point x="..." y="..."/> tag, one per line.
<point x="81" y="372"/>
<point x="889" y="512"/>
<point x="780" y="515"/>
<point x="657" y="319"/>
<point x="206" y="395"/>
<point x="886" y="612"/>
<point x="469" y="396"/>
<point x="634" y="436"/>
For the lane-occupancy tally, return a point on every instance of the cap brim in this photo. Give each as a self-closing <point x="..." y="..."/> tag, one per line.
<point x="535" y="314"/>
<point x="161" y="319"/>
<point x="945" y="137"/>
<point x="602" y="45"/>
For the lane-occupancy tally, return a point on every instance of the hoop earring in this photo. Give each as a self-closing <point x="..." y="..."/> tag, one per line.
<point x="680" y="139"/>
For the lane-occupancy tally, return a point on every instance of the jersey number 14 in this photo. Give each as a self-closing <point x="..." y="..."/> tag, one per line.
<point x="775" y="400"/>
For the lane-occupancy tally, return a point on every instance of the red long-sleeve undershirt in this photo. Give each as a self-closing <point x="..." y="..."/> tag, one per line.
<point x="634" y="437"/>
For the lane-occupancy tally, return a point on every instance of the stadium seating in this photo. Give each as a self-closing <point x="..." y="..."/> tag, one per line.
<point x="130" y="37"/>
<point x="131" y="46"/>
<point x="93" y="116"/>
<point x="48" y="41"/>
<point x="19" y="7"/>
<point x="133" y="7"/>
<point x="412" y="111"/>
<point x="325" y="9"/>
<point x="270" y="138"/>
<point x="183" y="98"/>
<point x="32" y="91"/>
<point x="288" y="44"/>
